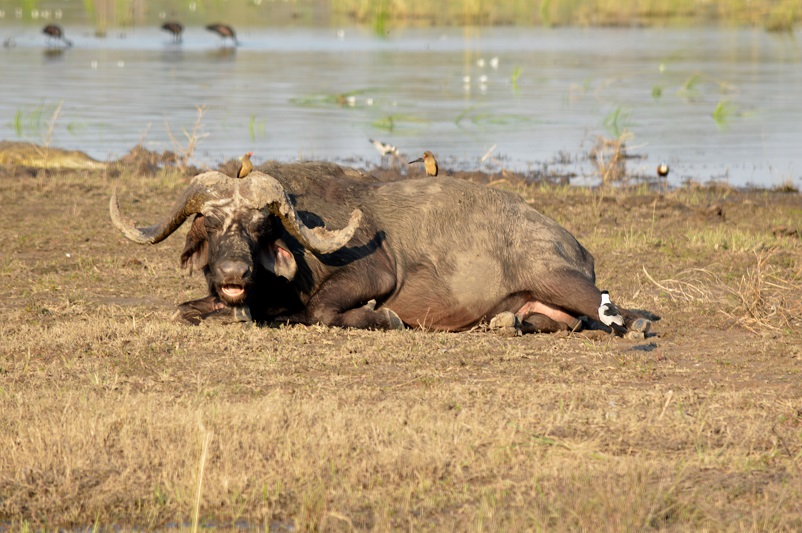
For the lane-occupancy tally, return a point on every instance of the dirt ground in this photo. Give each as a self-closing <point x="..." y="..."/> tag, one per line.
<point x="114" y="416"/>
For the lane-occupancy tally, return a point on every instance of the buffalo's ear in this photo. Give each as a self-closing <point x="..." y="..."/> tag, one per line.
<point x="196" y="247"/>
<point x="279" y="261"/>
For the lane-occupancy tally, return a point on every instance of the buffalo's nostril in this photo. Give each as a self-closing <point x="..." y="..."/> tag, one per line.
<point x="233" y="270"/>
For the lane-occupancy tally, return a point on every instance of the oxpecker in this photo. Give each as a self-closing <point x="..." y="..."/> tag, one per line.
<point x="429" y="162"/>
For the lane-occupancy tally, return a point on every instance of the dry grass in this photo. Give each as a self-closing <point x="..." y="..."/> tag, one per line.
<point x="113" y="416"/>
<point x="609" y="157"/>
<point x="193" y="138"/>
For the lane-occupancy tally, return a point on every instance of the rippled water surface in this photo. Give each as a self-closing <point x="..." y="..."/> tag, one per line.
<point x="716" y="103"/>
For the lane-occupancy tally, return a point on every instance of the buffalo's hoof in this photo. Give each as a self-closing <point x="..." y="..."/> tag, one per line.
<point x="186" y="317"/>
<point x="641" y="325"/>
<point x="634" y="335"/>
<point x="393" y="320"/>
<point x="504" y="320"/>
<point x="506" y="324"/>
<point x="225" y="315"/>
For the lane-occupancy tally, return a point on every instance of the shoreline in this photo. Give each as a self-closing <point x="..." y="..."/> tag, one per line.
<point x="23" y="158"/>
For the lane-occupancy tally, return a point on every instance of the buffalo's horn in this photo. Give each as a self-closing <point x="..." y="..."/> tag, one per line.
<point x="268" y="192"/>
<point x="258" y="190"/>
<point x="200" y="190"/>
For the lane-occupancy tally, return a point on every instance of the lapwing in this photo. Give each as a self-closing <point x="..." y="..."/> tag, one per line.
<point x="609" y="315"/>
<point x="384" y="148"/>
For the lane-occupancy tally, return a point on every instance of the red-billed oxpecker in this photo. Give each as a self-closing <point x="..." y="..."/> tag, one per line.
<point x="54" y="32"/>
<point x="246" y="166"/>
<point x="429" y="162"/>
<point x="224" y="31"/>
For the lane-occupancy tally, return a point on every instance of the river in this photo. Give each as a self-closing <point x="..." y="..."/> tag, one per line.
<point x="716" y="103"/>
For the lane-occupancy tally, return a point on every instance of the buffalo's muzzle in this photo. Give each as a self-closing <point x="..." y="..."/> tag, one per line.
<point x="232" y="276"/>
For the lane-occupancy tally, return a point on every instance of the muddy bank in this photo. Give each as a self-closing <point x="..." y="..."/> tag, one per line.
<point x="27" y="159"/>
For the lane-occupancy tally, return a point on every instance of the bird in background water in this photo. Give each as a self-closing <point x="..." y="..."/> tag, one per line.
<point x="662" y="170"/>
<point x="224" y="31"/>
<point x="175" y="29"/>
<point x="429" y="162"/>
<point x="609" y="315"/>
<point x="384" y="148"/>
<point x="55" y="32"/>
<point x="246" y="166"/>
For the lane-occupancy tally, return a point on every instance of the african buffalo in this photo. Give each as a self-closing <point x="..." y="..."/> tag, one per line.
<point x="443" y="253"/>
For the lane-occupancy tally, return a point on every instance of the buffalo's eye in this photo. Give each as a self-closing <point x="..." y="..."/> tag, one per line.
<point x="256" y="228"/>
<point x="213" y="223"/>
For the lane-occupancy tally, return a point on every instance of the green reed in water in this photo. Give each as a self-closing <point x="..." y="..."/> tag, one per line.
<point x="31" y="123"/>
<point x="616" y="121"/>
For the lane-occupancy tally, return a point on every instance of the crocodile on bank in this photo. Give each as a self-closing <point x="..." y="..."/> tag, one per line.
<point x="31" y="155"/>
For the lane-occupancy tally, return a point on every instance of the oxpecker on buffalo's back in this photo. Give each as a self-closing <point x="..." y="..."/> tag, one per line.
<point x="429" y="162"/>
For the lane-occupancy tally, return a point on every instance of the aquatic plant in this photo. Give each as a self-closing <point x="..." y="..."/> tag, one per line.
<point x="31" y="123"/>
<point x="488" y="119"/>
<point x="391" y="122"/>
<point x="724" y="112"/>
<point x="76" y="127"/>
<point x="256" y="127"/>
<point x="342" y="99"/>
<point x="690" y="88"/>
<point x="616" y="121"/>
<point x="516" y="73"/>
<point x="657" y="92"/>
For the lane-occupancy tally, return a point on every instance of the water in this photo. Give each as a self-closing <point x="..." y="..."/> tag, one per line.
<point x="448" y="90"/>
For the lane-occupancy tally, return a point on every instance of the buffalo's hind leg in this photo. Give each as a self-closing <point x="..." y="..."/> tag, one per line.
<point x="578" y="295"/>
<point x="507" y="322"/>
<point x="540" y="323"/>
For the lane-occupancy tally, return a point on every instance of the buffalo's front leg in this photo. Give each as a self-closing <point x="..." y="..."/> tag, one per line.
<point x="349" y="301"/>
<point x="211" y="308"/>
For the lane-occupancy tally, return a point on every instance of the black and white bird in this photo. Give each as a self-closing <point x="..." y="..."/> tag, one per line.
<point x="662" y="170"/>
<point x="609" y="315"/>
<point x="384" y="148"/>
